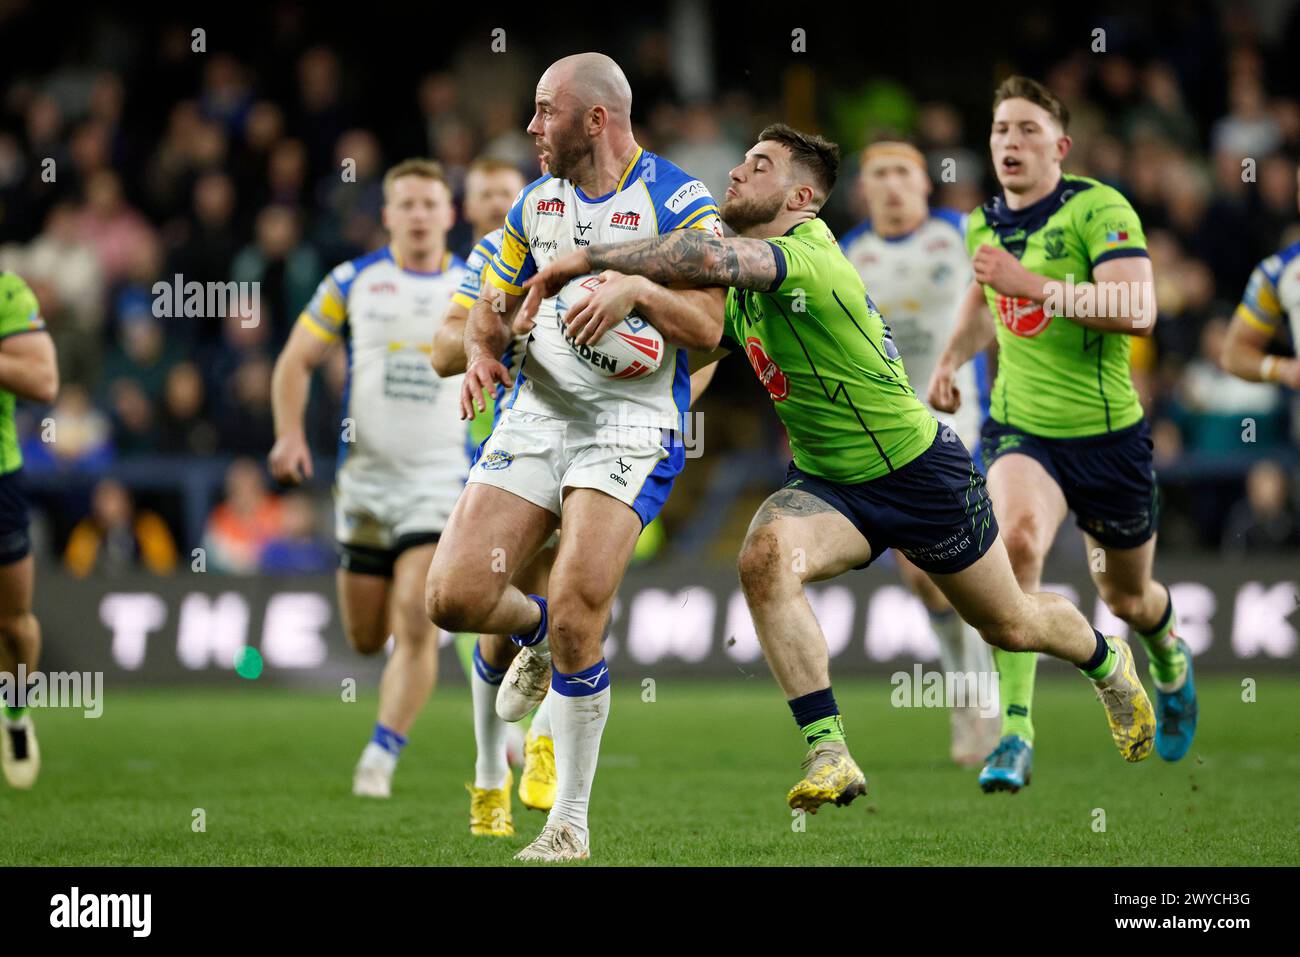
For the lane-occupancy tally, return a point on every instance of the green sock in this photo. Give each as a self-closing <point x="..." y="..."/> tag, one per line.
<point x="1016" y="687"/>
<point x="1107" y="665"/>
<point x="13" y="714"/>
<point x="1167" y="659"/>
<point x="830" y="728"/>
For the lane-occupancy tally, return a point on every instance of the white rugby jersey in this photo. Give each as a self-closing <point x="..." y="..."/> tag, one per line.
<point x="405" y="419"/>
<point x="552" y="217"/>
<point x="1272" y="296"/>
<point x="917" y="281"/>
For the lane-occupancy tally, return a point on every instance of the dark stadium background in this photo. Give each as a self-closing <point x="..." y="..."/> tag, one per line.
<point x="225" y="165"/>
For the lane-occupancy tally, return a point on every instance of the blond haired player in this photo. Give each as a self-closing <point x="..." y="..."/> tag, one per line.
<point x="913" y="260"/>
<point x="1063" y="282"/>
<point x="401" y="456"/>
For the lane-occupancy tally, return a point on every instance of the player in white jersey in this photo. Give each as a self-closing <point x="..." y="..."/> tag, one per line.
<point x="913" y="261"/>
<point x="401" y="456"/>
<point x="1270" y="304"/>
<point x="572" y="442"/>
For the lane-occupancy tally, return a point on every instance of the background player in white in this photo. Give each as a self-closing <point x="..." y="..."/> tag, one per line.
<point x="571" y="441"/>
<point x="913" y="262"/>
<point x="402" y="456"/>
<point x="491" y="187"/>
<point x="1270" y="304"/>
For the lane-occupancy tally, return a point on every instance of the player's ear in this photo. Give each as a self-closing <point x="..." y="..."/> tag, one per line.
<point x="383" y="217"/>
<point x="1063" y="146"/>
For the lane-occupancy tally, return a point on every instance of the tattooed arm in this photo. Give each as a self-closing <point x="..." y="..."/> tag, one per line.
<point x="691" y="257"/>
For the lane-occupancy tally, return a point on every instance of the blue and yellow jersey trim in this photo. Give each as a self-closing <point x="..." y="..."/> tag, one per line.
<point x="1260" y="306"/>
<point x="480" y="258"/>
<point x="513" y="263"/>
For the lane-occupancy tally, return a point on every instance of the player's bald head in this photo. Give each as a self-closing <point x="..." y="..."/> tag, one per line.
<point x="592" y="79"/>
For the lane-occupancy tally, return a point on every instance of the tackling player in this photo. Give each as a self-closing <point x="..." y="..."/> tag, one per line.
<point x="1063" y="280"/>
<point x="401" y="456"/>
<point x="28" y="370"/>
<point x="871" y="470"/>
<point x="572" y="442"/>
<point x="913" y="259"/>
<point x="1270" y="304"/>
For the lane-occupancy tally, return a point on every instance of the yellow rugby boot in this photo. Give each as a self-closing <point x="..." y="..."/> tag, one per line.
<point x="830" y="775"/>
<point x="489" y="810"/>
<point x="537" y="781"/>
<point x="1129" y="712"/>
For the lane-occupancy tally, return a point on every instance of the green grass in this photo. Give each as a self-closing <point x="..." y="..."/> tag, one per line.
<point x="697" y="777"/>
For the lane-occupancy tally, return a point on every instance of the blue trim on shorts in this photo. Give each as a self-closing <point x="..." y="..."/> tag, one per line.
<point x="654" y="493"/>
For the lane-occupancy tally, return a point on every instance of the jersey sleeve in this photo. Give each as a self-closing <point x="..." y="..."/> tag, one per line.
<point x="1109" y="226"/>
<point x="513" y="264"/>
<point x="479" y="258"/>
<point x="796" y="268"/>
<point x="327" y="310"/>
<point x="690" y="206"/>
<point x="1260" y="306"/>
<point x="730" y="334"/>
<point x="19" y="310"/>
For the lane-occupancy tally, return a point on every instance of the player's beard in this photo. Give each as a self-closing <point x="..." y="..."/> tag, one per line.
<point x="742" y="215"/>
<point x="566" y="152"/>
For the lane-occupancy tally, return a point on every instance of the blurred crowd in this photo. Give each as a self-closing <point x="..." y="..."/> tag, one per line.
<point x="215" y="166"/>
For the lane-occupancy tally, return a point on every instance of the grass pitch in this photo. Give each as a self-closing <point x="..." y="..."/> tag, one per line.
<point x="697" y="777"/>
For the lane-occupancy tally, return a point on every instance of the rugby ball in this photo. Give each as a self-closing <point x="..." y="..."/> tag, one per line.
<point x="633" y="349"/>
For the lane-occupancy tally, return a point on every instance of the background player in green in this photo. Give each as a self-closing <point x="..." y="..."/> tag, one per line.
<point x="27" y="370"/>
<point x="871" y="469"/>
<point x="1062" y="279"/>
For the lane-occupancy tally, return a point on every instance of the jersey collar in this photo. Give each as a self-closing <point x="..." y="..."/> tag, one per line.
<point x="397" y="261"/>
<point x="1030" y="219"/>
<point x="619" y="187"/>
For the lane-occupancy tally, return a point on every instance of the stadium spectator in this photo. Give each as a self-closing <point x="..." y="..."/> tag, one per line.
<point x="77" y="435"/>
<point x="285" y="268"/>
<point x="1264" y="521"/>
<point x="111" y="226"/>
<point x="116" y="537"/>
<point x="248" y="518"/>
<point x="184" y="428"/>
<point x="204" y="244"/>
<point x="299" y="549"/>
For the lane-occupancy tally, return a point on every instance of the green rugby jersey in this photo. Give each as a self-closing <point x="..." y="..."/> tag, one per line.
<point x="824" y="353"/>
<point x="19" y="312"/>
<point x="1057" y="378"/>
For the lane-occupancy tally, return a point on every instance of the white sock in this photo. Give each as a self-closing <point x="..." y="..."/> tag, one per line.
<point x="489" y="734"/>
<point x="373" y="756"/>
<point x="963" y="651"/>
<point x="541" y="726"/>
<point x="577" y="723"/>
<point x="948" y="629"/>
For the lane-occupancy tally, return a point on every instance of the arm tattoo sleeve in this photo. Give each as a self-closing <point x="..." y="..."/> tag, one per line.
<point x="691" y="256"/>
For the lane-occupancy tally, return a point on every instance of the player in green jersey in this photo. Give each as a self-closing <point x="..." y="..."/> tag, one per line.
<point x="1062" y="279"/>
<point x="28" y="371"/>
<point x="871" y="469"/>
